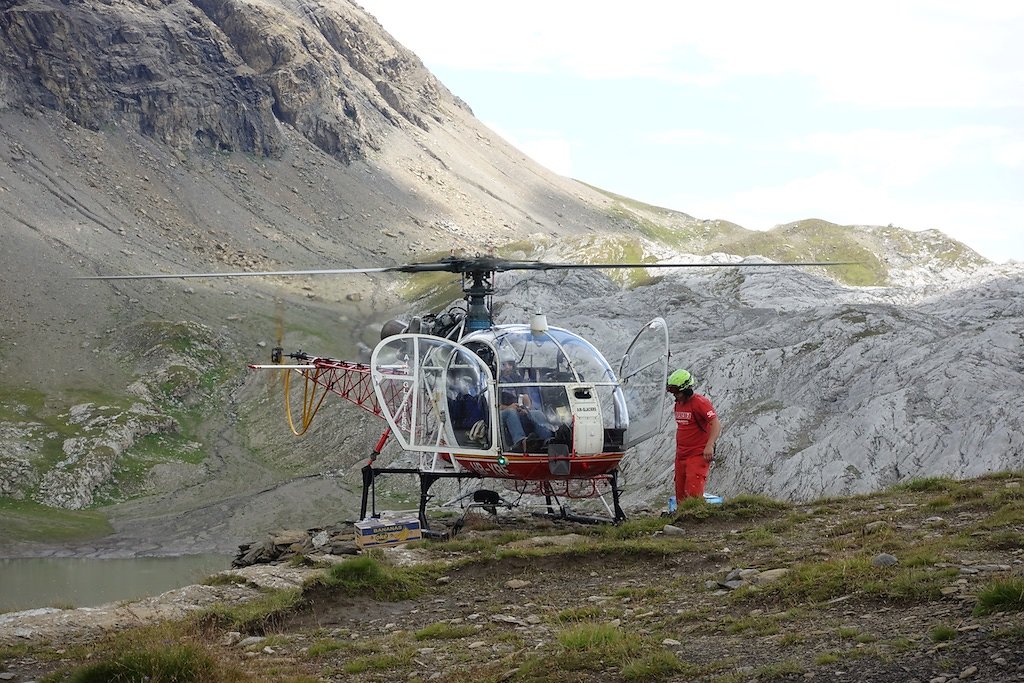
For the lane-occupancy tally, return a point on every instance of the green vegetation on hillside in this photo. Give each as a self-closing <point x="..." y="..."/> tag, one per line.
<point x="184" y="368"/>
<point x="805" y="240"/>
<point x="815" y="240"/>
<point x="24" y="520"/>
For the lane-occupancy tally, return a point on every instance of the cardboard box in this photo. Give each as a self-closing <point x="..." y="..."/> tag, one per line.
<point x="373" y="533"/>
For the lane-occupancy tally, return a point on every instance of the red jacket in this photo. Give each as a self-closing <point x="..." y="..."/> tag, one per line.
<point x="692" y="418"/>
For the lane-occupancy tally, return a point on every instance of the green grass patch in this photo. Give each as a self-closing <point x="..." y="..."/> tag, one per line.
<point x="655" y="231"/>
<point x="638" y="593"/>
<point x="1001" y="595"/>
<point x="393" y="659"/>
<point x="18" y="404"/>
<point x="24" y="520"/>
<point x="595" y="637"/>
<point x="633" y="547"/>
<point x="788" y="523"/>
<point x="639" y="527"/>
<point x="653" y="666"/>
<point x="1005" y="496"/>
<point x="942" y="633"/>
<point x="792" y="639"/>
<point x="578" y="614"/>
<point x="741" y="507"/>
<point x="160" y="664"/>
<point x="593" y="647"/>
<point x="772" y="672"/>
<point x="434" y="291"/>
<point x="327" y="646"/>
<point x="443" y="630"/>
<point x="920" y="557"/>
<point x="1010" y="514"/>
<point x="483" y="544"/>
<point x="749" y="506"/>
<point x="365" y="575"/>
<point x="760" y="538"/>
<point x="912" y="585"/>
<point x="132" y="468"/>
<point x="254" y="616"/>
<point x="186" y="338"/>
<point x="1002" y="540"/>
<point x="757" y="624"/>
<point x="168" y="652"/>
<point x="968" y="493"/>
<point x="821" y="581"/>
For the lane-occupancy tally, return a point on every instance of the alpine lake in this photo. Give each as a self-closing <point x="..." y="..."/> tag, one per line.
<point x="65" y="582"/>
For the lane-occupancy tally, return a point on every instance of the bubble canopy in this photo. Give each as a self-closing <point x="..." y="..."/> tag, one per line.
<point x="556" y="355"/>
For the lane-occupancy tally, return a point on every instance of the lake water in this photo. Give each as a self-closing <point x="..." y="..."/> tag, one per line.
<point x="26" y="583"/>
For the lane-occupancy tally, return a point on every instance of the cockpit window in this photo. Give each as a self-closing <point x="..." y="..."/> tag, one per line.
<point x="552" y="356"/>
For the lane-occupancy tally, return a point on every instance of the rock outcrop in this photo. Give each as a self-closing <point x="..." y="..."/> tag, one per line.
<point x="89" y="461"/>
<point x="828" y="390"/>
<point x="220" y="75"/>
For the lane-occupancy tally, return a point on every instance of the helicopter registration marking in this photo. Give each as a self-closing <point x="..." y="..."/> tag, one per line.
<point x="494" y="469"/>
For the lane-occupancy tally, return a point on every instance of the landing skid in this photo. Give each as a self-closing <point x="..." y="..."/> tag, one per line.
<point x="615" y="513"/>
<point x="427" y="479"/>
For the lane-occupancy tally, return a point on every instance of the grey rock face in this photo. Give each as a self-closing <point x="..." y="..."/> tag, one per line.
<point x="221" y="75"/>
<point x="90" y="461"/>
<point x="162" y="68"/>
<point x="822" y="389"/>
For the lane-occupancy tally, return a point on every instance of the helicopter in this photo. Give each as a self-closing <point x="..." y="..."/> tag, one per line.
<point x="534" y="405"/>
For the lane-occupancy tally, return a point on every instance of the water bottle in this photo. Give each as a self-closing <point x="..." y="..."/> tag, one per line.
<point x="671" y="503"/>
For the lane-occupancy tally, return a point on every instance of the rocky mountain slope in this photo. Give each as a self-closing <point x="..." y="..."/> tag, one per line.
<point x="172" y="136"/>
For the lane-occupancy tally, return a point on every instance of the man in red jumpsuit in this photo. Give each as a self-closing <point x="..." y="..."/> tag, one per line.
<point x="697" y="429"/>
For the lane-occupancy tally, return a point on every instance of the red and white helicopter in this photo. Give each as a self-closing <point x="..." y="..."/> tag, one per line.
<point x="532" y="404"/>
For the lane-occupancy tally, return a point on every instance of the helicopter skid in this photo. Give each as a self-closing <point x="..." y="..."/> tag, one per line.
<point x="587" y="485"/>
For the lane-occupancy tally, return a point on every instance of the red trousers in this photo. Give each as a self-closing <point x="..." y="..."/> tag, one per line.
<point x="691" y="473"/>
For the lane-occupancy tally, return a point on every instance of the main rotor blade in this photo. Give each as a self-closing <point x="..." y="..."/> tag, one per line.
<point x="479" y="264"/>
<point x="540" y="265"/>
<point x="483" y="264"/>
<point x="264" y="273"/>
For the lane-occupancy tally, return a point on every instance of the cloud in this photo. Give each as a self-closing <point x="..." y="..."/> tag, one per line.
<point x="685" y="137"/>
<point x="548" y="148"/>
<point x="904" y="157"/>
<point x="1011" y="153"/>
<point x="874" y="53"/>
<point x="925" y="134"/>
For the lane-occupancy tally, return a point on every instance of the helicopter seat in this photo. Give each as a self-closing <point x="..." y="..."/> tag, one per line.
<point x="469" y="420"/>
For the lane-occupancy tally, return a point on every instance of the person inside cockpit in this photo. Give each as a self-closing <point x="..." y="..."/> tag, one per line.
<point x="520" y="410"/>
<point x="522" y="423"/>
<point x="468" y="409"/>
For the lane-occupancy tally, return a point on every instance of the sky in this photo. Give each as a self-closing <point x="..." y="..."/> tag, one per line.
<point x="761" y="113"/>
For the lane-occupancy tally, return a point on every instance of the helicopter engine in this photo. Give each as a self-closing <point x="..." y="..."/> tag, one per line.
<point x="448" y="325"/>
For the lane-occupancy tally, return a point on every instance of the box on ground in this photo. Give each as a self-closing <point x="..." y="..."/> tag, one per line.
<point x="371" y="533"/>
